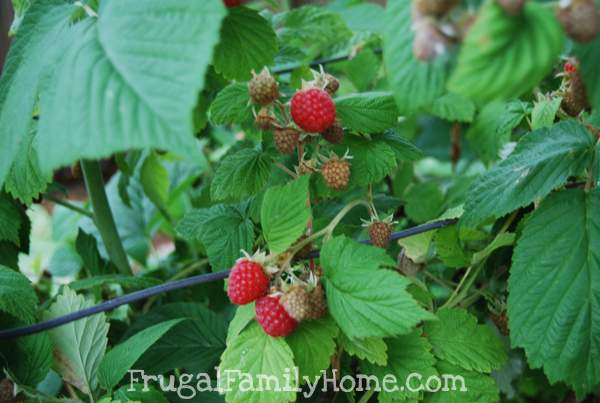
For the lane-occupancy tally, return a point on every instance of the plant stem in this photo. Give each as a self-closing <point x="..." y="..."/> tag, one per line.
<point x="68" y="205"/>
<point x="365" y="398"/>
<point x="328" y="230"/>
<point x="103" y="217"/>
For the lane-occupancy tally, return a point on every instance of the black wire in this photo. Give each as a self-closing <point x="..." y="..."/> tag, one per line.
<point x="318" y="62"/>
<point x="174" y="285"/>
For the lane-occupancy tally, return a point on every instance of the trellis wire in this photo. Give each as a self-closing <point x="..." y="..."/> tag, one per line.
<point x="172" y="286"/>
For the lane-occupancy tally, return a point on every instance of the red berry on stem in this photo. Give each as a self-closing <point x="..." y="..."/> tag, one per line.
<point x="313" y="110"/>
<point x="273" y="317"/>
<point x="247" y="282"/>
<point x="569" y="68"/>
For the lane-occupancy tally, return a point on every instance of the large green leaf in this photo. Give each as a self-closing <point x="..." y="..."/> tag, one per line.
<point x="463" y="386"/>
<point x="25" y="181"/>
<point x="35" y="50"/>
<point x="232" y="105"/>
<point x="372" y="349"/>
<point x="257" y="355"/>
<point x="504" y="56"/>
<point x="454" y="108"/>
<point x="247" y="42"/>
<point x="120" y="359"/>
<point x="368" y="112"/>
<point x="415" y="84"/>
<point x="78" y="346"/>
<point x="554" y="289"/>
<point x="225" y="230"/>
<point x="242" y="174"/>
<point x="17" y="296"/>
<point x="407" y="354"/>
<point x="285" y="213"/>
<point x="129" y="80"/>
<point x="492" y="129"/>
<point x="542" y="161"/>
<point x="364" y="299"/>
<point x="457" y="338"/>
<point x="194" y="344"/>
<point x="313" y="344"/>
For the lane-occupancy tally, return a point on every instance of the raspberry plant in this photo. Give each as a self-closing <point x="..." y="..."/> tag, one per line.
<point x="270" y="141"/>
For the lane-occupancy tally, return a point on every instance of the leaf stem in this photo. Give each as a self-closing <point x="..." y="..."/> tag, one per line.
<point x="103" y="217"/>
<point x="68" y="205"/>
<point x="328" y="230"/>
<point x="365" y="398"/>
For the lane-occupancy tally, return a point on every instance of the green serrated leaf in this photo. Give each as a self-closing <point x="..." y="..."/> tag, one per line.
<point x="449" y="248"/>
<point x="244" y="314"/>
<point x="194" y="344"/>
<point x="371" y="159"/>
<point x="78" y="346"/>
<point x="365" y="300"/>
<point x="258" y="355"/>
<point x="542" y="161"/>
<point x="247" y="42"/>
<point x="457" y="338"/>
<point x="453" y="107"/>
<point x="25" y="181"/>
<point x="313" y="344"/>
<point x="41" y="40"/>
<point x="407" y="354"/>
<point x="471" y="387"/>
<point x="372" y="349"/>
<point x="232" y="105"/>
<point x="284" y="214"/>
<point x="139" y="99"/>
<point x="554" y="289"/>
<point x="367" y="112"/>
<point x="120" y="359"/>
<point x="504" y="56"/>
<point x="544" y="113"/>
<point x="242" y="174"/>
<point x="224" y="230"/>
<point x="415" y="84"/>
<point x="17" y="296"/>
<point x="10" y="220"/>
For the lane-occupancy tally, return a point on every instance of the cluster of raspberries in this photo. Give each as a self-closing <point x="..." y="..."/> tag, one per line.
<point x="313" y="115"/>
<point x="278" y="312"/>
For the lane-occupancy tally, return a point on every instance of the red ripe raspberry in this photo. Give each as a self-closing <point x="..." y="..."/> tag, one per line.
<point x="313" y="110"/>
<point x="247" y="282"/>
<point x="569" y="68"/>
<point x="273" y="317"/>
<point x="232" y="3"/>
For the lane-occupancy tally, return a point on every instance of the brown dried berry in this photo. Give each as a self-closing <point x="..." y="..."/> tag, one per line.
<point x="435" y="8"/>
<point x="579" y="19"/>
<point x="575" y="98"/>
<point x="335" y="133"/>
<point x="263" y="88"/>
<point x="7" y="391"/>
<point x="379" y="233"/>
<point x="332" y="84"/>
<point x="286" y="139"/>
<point x="264" y="120"/>
<point x="512" y="7"/>
<point x="296" y="302"/>
<point x="501" y="322"/>
<point x="336" y="173"/>
<point x="318" y="304"/>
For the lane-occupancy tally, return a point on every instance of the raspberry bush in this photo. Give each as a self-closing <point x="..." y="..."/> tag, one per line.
<point x="291" y="152"/>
